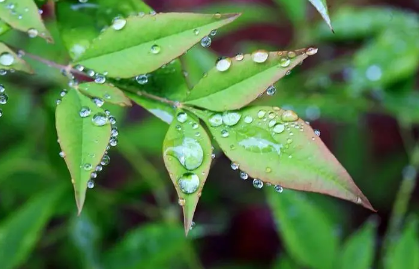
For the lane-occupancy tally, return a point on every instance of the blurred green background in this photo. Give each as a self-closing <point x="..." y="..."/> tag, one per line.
<point x="360" y="91"/>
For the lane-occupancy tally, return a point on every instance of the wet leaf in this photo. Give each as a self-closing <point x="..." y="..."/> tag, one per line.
<point x="358" y="250"/>
<point x="187" y="156"/>
<point x="82" y="141"/>
<point x="156" y="39"/>
<point x="9" y="60"/>
<point x="244" y="80"/>
<point x="163" y="111"/>
<point x="403" y="251"/>
<point x="321" y="7"/>
<point x="197" y="62"/>
<point x="3" y="27"/>
<point x="24" y="16"/>
<point x="20" y="231"/>
<point x="106" y="92"/>
<point x="149" y="246"/>
<point x="279" y="148"/>
<point x="309" y="236"/>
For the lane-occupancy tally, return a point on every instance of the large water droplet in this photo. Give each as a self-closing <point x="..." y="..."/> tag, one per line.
<point x="223" y="64"/>
<point x="289" y="115"/>
<point x="257" y="140"/>
<point x="260" y="56"/>
<point x="187" y="151"/>
<point x="100" y="119"/>
<point x="188" y="183"/>
<point x="182" y="117"/>
<point x="257" y="183"/>
<point x="6" y="59"/>
<point x="231" y="118"/>
<point x="119" y="23"/>
<point x="216" y="120"/>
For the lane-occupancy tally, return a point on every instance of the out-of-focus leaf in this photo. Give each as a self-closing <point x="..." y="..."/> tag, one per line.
<point x="296" y="10"/>
<point x="3" y="27"/>
<point x="284" y="262"/>
<point x="24" y="16"/>
<point x="358" y="250"/>
<point x="83" y="140"/>
<point x="151" y="246"/>
<point x="402" y="252"/>
<point x="321" y="7"/>
<point x="404" y="106"/>
<point x="276" y="147"/>
<point x="305" y="230"/>
<point x="253" y="13"/>
<point x="80" y="23"/>
<point x="22" y="229"/>
<point x="187" y="156"/>
<point x="242" y="82"/>
<point x="107" y="92"/>
<point x="9" y="60"/>
<point x="389" y="58"/>
<point x="165" y="112"/>
<point x="355" y="23"/>
<point x="198" y="61"/>
<point x="154" y="40"/>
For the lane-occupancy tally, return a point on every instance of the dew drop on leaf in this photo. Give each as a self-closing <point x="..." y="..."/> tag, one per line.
<point x="155" y="49"/>
<point x="3" y="98"/>
<point x="187" y="151"/>
<point x="188" y="183"/>
<point x="196" y="31"/>
<point x="118" y="23"/>
<point x="98" y="102"/>
<point x="289" y="115"/>
<point x="248" y="119"/>
<point x="260" y="56"/>
<point x="257" y="183"/>
<point x="271" y="90"/>
<point x="239" y="57"/>
<point x="311" y="51"/>
<point x="6" y="59"/>
<point x="234" y="166"/>
<point x="87" y="167"/>
<point x="278" y="188"/>
<point x="182" y="117"/>
<point x="279" y="128"/>
<point x="224" y="133"/>
<point x="223" y="64"/>
<point x="105" y="160"/>
<point x="261" y="114"/>
<point x="32" y="33"/>
<point x="284" y="62"/>
<point x="244" y="175"/>
<point x="206" y="42"/>
<point x="317" y="132"/>
<point x="91" y="184"/>
<point x="291" y="54"/>
<point x="100" y="119"/>
<point x="141" y="79"/>
<point x="216" y="120"/>
<point x="181" y="201"/>
<point x="231" y="118"/>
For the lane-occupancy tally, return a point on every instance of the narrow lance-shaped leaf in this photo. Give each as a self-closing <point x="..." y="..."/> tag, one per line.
<point x="358" y="250"/>
<point x="187" y="155"/>
<point x="83" y="132"/>
<point x="107" y="92"/>
<point x="142" y="44"/>
<point x="21" y="230"/>
<point x="9" y="60"/>
<point x="321" y="7"/>
<point x="275" y="146"/>
<point x="24" y="15"/>
<point x="235" y="82"/>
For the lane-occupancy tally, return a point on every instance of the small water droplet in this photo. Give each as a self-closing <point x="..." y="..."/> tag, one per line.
<point x="6" y="59"/>
<point x="206" y="42"/>
<point x="213" y="32"/>
<point x="100" y="119"/>
<point x="182" y="117"/>
<point x="260" y="56"/>
<point x="317" y="132"/>
<point x="278" y="188"/>
<point x="93" y="175"/>
<point x="261" y="114"/>
<point x="271" y="115"/>
<point x="188" y="183"/>
<point x="217" y="15"/>
<point x="289" y="115"/>
<point x="114" y="132"/>
<point x="284" y="62"/>
<point x="272" y="123"/>
<point x="91" y="184"/>
<point x="3" y="98"/>
<point x="279" y="128"/>
<point x="234" y="166"/>
<point x="141" y="79"/>
<point x="291" y="54"/>
<point x="216" y="120"/>
<point x="98" y="168"/>
<point x="181" y="201"/>
<point x="195" y="126"/>
<point x="231" y="118"/>
<point x="84" y="112"/>
<point x="100" y="79"/>
<point x="224" y="133"/>
<point x="105" y="160"/>
<point x="257" y="183"/>
<point x="223" y="64"/>
<point x="239" y="57"/>
<point x="155" y="49"/>
<point x="62" y="154"/>
<point x="268" y="170"/>
<point x="118" y="23"/>
<point x="112" y="120"/>
<point x="271" y="90"/>
<point x="87" y="167"/>
<point x="32" y="33"/>
<point x="248" y="119"/>
<point x="311" y="51"/>
<point x="98" y="102"/>
<point x="196" y="31"/>
<point x="244" y="175"/>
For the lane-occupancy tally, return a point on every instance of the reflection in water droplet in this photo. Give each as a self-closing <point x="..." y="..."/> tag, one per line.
<point x="278" y="188"/>
<point x="187" y="151"/>
<point x="234" y="166"/>
<point x="141" y="79"/>
<point x="317" y="132"/>
<point x="206" y="42"/>
<point x="244" y="175"/>
<point x="271" y="90"/>
<point x="257" y="183"/>
<point x="216" y="120"/>
<point x="231" y="118"/>
<point x="188" y="183"/>
<point x="257" y="140"/>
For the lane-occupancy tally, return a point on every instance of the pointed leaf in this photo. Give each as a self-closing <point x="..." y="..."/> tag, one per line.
<point x="22" y="229"/>
<point x="9" y="60"/>
<point x="403" y="253"/>
<point x="358" y="250"/>
<point x="82" y="142"/>
<point x="107" y="92"/>
<point x="321" y="7"/>
<point x="307" y="233"/>
<point x="245" y="80"/>
<point x="147" y="42"/>
<point x="187" y="156"/>
<point x="163" y="111"/>
<point x="197" y="62"/>
<point x="24" y="16"/>
<point x="279" y="148"/>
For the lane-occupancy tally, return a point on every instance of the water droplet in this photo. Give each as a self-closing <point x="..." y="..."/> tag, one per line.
<point x="289" y="141"/>
<point x="291" y="54"/>
<point x="196" y="31"/>
<point x="223" y="64"/>
<point x="113" y="142"/>
<point x="105" y="160"/>
<point x="244" y="175"/>
<point x="2" y="88"/>
<point x="181" y="201"/>
<point x="213" y="32"/>
<point x="58" y="101"/>
<point x="93" y="175"/>
<point x="91" y="184"/>
<point x="260" y="56"/>
<point x="271" y="90"/>
<point x="98" y="102"/>
<point x="257" y="183"/>
<point x="182" y="117"/>
<point x="373" y="73"/>
<point x="32" y="33"/>
<point x="84" y="112"/>
<point x="155" y="49"/>
<point x="62" y="154"/>
<point x="195" y="126"/>
<point x="98" y="168"/>
<point x="63" y="93"/>
<point x="234" y="166"/>
<point x="112" y="120"/>
<point x="213" y="156"/>
<point x="317" y="132"/>
<point x="188" y="183"/>
<point x="118" y="23"/>
<point x="216" y="120"/>
<point x="6" y="59"/>
<point x="257" y="140"/>
<point x="141" y="79"/>
<point x="271" y="115"/>
<point x="261" y="114"/>
<point x="311" y="51"/>
<point x="268" y="170"/>
<point x="192" y="225"/>
<point x="91" y="73"/>
<point x="100" y="119"/>
<point x="217" y="15"/>
<point x="239" y="57"/>
<point x="87" y="167"/>
<point x="114" y="132"/>
<point x="100" y="79"/>
<point x="231" y="118"/>
<point x="206" y="42"/>
<point x="3" y="98"/>
<point x="284" y="62"/>
<point x="224" y="133"/>
<point x="272" y="123"/>
<point x="289" y="115"/>
<point x="187" y="151"/>
<point x="278" y="188"/>
<point x="248" y="119"/>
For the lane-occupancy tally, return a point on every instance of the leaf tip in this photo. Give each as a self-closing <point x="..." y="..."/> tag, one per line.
<point x="79" y="202"/>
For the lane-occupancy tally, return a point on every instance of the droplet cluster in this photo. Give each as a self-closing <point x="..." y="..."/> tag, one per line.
<point x="3" y="98"/>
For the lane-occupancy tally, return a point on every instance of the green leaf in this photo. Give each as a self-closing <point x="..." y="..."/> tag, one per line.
<point x="149" y="246"/>
<point x="358" y="250"/>
<point x="244" y="80"/>
<point x="3" y="27"/>
<point x="284" y="262"/>
<point x="308" y="235"/>
<point x="24" y="16"/>
<point x="187" y="156"/>
<point x="20" y="231"/>
<point x="107" y="92"/>
<point x="148" y="42"/>
<point x="403" y="251"/>
<point x="163" y="111"/>
<point x="83" y="142"/>
<point x="321" y="7"/>
<point x="80" y="23"/>
<point x="296" y="10"/>
<point x="277" y="147"/>
<point x="197" y="62"/>
<point x="9" y="60"/>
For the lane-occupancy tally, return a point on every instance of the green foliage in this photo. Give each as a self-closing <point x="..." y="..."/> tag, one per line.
<point x="9" y="60"/>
